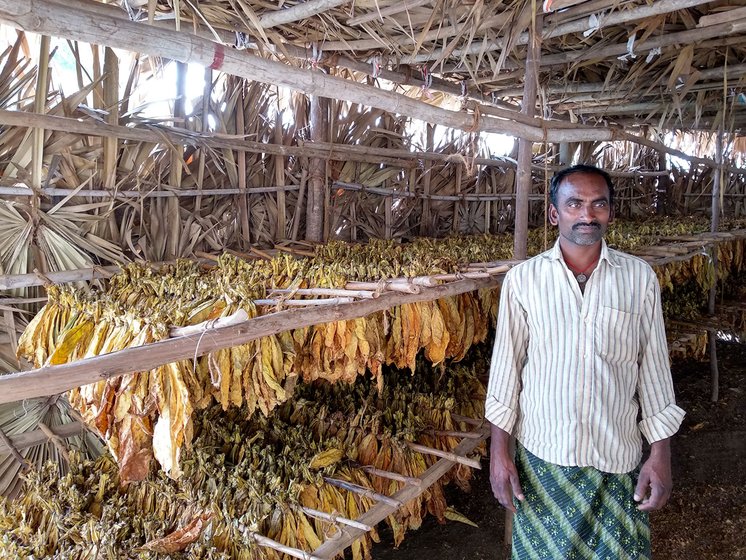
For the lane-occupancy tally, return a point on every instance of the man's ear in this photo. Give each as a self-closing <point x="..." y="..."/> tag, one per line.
<point x="611" y="215"/>
<point x="553" y="215"/>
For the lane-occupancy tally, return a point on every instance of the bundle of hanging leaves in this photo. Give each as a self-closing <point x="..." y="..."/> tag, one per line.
<point x="249" y="473"/>
<point x="149" y="414"/>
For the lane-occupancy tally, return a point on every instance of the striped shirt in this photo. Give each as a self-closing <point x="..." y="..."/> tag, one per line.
<point x="572" y="373"/>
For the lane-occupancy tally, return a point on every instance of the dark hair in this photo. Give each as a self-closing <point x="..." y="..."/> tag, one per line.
<point x="581" y="168"/>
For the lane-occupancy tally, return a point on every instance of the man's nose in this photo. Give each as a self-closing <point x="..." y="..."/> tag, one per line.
<point x="586" y="212"/>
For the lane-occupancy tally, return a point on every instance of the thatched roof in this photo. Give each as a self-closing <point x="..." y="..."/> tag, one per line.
<point x="675" y="63"/>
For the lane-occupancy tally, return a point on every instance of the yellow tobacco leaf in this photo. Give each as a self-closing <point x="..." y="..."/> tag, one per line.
<point x="454" y="515"/>
<point x="326" y="458"/>
<point x="74" y="338"/>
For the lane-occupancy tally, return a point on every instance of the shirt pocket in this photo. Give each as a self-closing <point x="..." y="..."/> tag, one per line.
<point x="618" y="336"/>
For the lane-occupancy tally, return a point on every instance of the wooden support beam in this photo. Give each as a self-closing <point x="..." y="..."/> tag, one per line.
<point x="455" y="457"/>
<point x="52" y="380"/>
<point x="619" y="17"/>
<point x="302" y="10"/>
<point x="171" y="135"/>
<point x="524" y="180"/>
<point x="50" y="17"/>
<point x="666" y="40"/>
<point x="37" y="437"/>
<point x="362" y="491"/>
<point x="332" y="547"/>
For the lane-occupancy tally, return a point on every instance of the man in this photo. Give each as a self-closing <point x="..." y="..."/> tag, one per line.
<point x="579" y="374"/>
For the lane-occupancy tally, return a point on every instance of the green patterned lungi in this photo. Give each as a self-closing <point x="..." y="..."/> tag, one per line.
<point x="577" y="513"/>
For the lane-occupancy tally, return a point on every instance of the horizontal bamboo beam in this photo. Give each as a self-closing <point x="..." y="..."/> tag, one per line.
<point x="380" y="13"/>
<point x="408" y="194"/>
<point x="165" y="135"/>
<point x="666" y="40"/>
<point x="362" y="491"/>
<point x="732" y="72"/>
<point x="150" y="193"/>
<point x="37" y="437"/>
<point x="334" y="518"/>
<point x="14" y="281"/>
<point x="455" y="457"/>
<point x="51" y="380"/>
<point x="51" y="18"/>
<point x="392" y="475"/>
<point x="620" y="17"/>
<point x="332" y="547"/>
<point x="578" y="133"/>
<point x="302" y="10"/>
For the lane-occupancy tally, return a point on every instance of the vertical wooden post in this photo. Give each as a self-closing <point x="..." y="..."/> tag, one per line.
<point x="111" y="143"/>
<point x="457" y="203"/>
<point x="425" y="223"/>
<point x="714" y="226"/>
<point x="37" y="157"/>
<point x="317" y="173"/>
<point x="204" y="125"/>
<point x="173" y="223"/>
<point x="565" y="155"/>
<point x="663" y="186"/>
<point x="280" y="233"/>
<point x="525" y="147"/>
<point x="244" y="207"/>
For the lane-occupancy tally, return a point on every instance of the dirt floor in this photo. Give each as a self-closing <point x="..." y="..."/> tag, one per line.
<point x="706" y="517"/>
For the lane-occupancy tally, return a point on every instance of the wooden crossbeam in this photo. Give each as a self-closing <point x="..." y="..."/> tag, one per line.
<point x="36" y="437"/>
<point x="51" y="380"/>
<point x="347" y="535"/>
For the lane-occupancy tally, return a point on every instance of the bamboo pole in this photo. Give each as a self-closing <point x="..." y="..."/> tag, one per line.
<point x="665" y="40"/>
<point x="266" y="542"/>
<point x="281" y="228"/>
<point x="316" y="173"/>
<point x="298" y="12"/>
<point x="525" y="146"/>
<point x="391" y="10"/>
<point x="456" y="458"/>
<point x="48" y="16"/>
<point x="186" y="193"/>
<point x="733" y="72"/>
<point x="407" y="194"/>
<point x="362" y="491"/>
<point x="51" y="380"/>
<point x="10" y="448"/>
<point x="334" y="518"/>
<point x="326" y="292"/>
<point x="454" y="433"/>
<point x="245" y="200"/>
<point x="555" y="132"/>
<point x="391" y="475"/>
<point x="56" y="441"/>
<point x="426" y="180"/>
<point x="619" y="17"/>
<point x="714" y="226"/>
<point x="37" y="437"/>
<point x="331" y="548"/>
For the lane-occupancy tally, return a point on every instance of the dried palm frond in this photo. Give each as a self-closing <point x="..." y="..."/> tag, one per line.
<point x="21" y="418"/>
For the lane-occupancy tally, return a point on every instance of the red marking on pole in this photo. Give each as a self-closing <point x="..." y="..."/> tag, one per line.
<point x="218" y="57"/>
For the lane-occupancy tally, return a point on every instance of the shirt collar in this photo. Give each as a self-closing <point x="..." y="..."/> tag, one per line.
<point x="555" y="254"/>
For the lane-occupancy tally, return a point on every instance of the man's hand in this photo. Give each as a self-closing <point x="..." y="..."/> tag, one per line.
<point x="655" y="482"/>
<point x="503" y="474"/>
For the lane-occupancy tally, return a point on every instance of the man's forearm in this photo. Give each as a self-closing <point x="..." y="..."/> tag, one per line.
<point x="661" y="450"/>
<point x="500" y="443"/>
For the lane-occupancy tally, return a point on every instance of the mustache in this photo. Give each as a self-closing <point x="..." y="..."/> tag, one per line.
<point x="589" y="224"/>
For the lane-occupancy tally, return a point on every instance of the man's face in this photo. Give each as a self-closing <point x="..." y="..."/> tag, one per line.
<point x="583" y="210"/>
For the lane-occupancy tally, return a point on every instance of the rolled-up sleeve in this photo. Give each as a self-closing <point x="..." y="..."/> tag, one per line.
<point x="508" y="357"/>
<point x="661" y="417"/>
